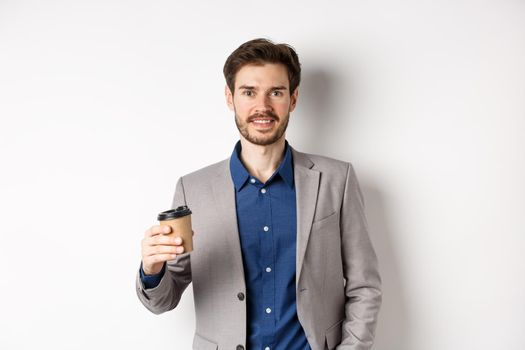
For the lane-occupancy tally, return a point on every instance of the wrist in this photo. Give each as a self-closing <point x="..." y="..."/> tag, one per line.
<point x="151" y="272"/>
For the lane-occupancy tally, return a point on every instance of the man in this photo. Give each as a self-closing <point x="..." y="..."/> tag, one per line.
<point x="282" y="257"/>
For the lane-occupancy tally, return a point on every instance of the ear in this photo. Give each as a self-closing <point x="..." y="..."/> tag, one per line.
<point x="229" y="97"/>
<point x="293" y="99"/>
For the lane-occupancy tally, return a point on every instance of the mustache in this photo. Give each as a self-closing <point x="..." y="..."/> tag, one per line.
<point x="268" y="115"/>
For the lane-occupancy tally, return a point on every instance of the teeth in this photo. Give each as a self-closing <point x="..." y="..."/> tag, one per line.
<point x="262" y="121"/>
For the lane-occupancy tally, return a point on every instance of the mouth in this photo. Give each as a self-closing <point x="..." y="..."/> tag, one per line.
<point x="263" y="123"/>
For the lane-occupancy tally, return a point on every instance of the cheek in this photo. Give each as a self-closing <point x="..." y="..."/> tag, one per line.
<point x="242" y="106"/>
<point x="282" y="106"/>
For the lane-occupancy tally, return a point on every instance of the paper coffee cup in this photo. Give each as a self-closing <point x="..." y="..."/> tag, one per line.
<point x="179" y="220"/>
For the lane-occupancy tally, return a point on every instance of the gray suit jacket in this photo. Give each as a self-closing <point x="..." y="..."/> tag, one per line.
<point x="338" y="284"/>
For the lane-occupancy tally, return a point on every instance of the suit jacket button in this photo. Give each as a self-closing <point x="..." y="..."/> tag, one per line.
<point x="240" y="347"/>
<point x="241" y="298"/>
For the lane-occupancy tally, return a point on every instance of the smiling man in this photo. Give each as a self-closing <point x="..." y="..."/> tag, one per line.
<point x="282" y="258"/>
<point x="264" y="102"/>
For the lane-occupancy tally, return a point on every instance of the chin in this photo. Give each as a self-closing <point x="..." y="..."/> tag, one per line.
<point x="263" y="141"/>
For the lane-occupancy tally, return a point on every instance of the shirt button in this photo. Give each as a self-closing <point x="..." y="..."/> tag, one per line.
<point x="240" y="347"/>
<point x="268" y="310"/>
<point x="263" y="190"/>
<point x="266" y="228"/>
<point x="252" y="180"/>
<point x="268" y="269"/>
<point x="240" y="296"/>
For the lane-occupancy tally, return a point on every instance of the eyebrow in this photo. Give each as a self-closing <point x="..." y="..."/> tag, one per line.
<point x="248" y="87"/>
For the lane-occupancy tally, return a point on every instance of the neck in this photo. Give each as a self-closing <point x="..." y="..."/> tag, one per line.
<point x="262" y="161"/>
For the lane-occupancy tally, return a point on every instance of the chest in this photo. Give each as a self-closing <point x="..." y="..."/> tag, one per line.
<point x="267" y="220"/>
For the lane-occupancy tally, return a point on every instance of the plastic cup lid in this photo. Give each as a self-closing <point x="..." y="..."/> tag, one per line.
<point x="171" y="214"/>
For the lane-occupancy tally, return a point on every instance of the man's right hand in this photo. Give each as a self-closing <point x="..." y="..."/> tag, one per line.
<point x="157" y="248"/>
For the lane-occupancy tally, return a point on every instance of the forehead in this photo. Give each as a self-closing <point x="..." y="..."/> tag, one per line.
<point x="268" y="74"/>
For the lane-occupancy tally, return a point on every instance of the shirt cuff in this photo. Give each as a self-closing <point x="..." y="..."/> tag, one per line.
<point x="151" y="281"/>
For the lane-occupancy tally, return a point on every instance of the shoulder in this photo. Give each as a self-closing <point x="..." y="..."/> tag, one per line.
<point x="321" y="163"/>
<point x="207" y="173"/>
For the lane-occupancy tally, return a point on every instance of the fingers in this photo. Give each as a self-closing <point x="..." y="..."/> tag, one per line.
<point x="157" y="230"/>
<point x="162" y="240"/>
<point x="162" y="249"/>
<point x="156" y="259"/>
<point x="158" y="247"/>
<point x="160" y="244"/>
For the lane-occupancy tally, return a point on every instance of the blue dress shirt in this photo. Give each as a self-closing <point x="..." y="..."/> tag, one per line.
<point x="266" y="217"/>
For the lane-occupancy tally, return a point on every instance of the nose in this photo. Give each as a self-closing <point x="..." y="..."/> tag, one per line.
<point x="263" y="104"/>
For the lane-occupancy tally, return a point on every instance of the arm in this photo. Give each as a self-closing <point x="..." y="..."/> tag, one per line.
<point x="177" y="275"/>
<point x="360" y="268"/>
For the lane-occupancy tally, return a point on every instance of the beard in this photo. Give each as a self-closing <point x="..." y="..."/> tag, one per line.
<point x="258" y="138"/>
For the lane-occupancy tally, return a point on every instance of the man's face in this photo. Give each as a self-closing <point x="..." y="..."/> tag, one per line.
<point x="262" y="103"/>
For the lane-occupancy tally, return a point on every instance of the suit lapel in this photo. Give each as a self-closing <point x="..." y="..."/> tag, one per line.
<point x="306" y="189"/>
<point x="224" y="197"/>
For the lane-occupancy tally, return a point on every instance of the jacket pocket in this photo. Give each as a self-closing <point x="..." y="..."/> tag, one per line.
<point x="334" y="335"/>
<point x="200" y="343"/>
<point x="326" y="221"/>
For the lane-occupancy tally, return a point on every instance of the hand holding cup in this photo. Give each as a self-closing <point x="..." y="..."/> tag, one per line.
<point x="165" y="241"/>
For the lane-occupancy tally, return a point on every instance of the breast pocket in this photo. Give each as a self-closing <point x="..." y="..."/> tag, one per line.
<point x="326" y="222"/>
<point x="323" y="241"/>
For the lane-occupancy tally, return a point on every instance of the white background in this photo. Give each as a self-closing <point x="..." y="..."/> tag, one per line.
<point x="104" y="104"/>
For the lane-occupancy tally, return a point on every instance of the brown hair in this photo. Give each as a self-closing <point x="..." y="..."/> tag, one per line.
<point x="261" y="51"/>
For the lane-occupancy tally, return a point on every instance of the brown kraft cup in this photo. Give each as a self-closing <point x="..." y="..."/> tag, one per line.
<point x="179" y="220"/>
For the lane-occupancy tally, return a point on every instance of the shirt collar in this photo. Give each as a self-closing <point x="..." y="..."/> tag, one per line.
<point x="240" y="175"/>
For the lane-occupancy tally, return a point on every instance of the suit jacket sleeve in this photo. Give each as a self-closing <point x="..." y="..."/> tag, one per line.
<point x="177" y="277"/>
<point x="360" y="268"/>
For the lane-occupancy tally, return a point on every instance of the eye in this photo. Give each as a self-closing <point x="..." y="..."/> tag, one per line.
<point x="247" y="92"/>
<point x="276" y="93"/>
